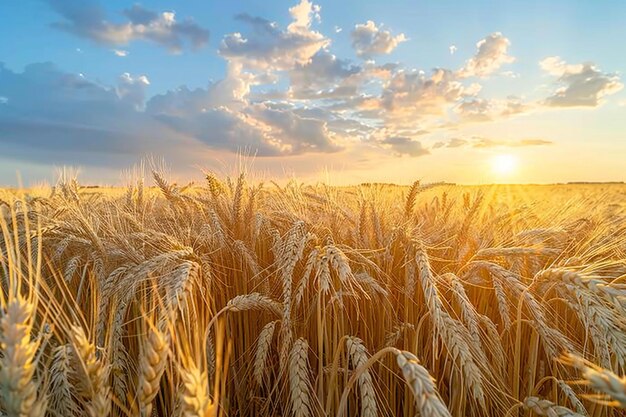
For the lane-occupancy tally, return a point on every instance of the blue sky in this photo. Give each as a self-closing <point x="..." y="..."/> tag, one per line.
<point x="368" y="91"/>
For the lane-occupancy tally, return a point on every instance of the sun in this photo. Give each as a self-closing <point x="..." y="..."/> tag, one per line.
<point x="504" y="164"/>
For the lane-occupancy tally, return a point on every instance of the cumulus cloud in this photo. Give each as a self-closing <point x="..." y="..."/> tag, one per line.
<point x="267" y="47"/>
<point x="452" y="49"/>
<point x="221" y="116"/>
<point x="582" y="85"/>
<point x="120" y="52"/>
<point x="369" y="40"/>
<point x="491" y="54"/>
<point x="132" y="89"/>
<point x="87" y="19"/>
<point x="324" y="76"/>
<point x="412" y="95"/>
<point x="401" y="145"/>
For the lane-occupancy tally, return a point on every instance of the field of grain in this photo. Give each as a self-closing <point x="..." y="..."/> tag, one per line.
<point x="235" y="298"/>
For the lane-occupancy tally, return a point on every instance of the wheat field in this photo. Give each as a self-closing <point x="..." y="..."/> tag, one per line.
<point x="236" y="298"/>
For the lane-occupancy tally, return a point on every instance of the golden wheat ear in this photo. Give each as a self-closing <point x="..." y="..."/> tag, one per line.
<point x="18" y="387"/>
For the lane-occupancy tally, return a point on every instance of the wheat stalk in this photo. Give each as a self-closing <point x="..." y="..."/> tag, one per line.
<point x="94" y="374"/>
<point x="263" y="345"/>
<point x="542" y="407"/>
<point x="358" y="357"/>
<point x="299" y="384"/>
<point x="152" y="362"/>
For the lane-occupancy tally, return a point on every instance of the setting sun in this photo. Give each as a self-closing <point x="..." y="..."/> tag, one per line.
<point x="504" y="164"/>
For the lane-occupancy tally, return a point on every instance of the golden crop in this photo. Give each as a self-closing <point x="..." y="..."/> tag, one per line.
<point x="237" y="299"/>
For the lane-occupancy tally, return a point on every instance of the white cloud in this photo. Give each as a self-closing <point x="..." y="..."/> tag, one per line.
<point x="409" y="96"/>
<point x="452" y="49"/>
<point x="132" y="89"/>
<point x="369" y="40"/>
<point x="491" y="54"/>
<point x="120" y="52"/>
<point x="324" y="76"/>
<point x="302" y="14"/>
<point x="3" y="100"/>
<point x="268" y="47"/>
<point x="582" y="85"/>
<point x="85" y="18"/>
<point x="475" y="109"/>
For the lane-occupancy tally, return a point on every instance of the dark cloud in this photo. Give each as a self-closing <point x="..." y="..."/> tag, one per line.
<point x="87" y="19"/>
<point x="49" y="112"/>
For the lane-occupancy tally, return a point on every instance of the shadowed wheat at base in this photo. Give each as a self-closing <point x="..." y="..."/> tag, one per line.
<point x="231" y="297"/>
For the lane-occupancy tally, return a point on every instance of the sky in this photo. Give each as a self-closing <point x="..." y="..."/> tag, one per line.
<point x="352" y="91"/>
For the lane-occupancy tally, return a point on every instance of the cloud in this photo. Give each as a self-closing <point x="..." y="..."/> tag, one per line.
<point x="582" y="85"/>
<point x="491" y="54"/>
<point x="132" y="89"/>
<point x="452" y="49"/>
<point x="53" y="115"/>
<point x="476" y="109"/>
<point x="222" y="116"/>
<point x="87" y="19"/>
<point x="324" y="76"/>
<point x="451" y="143"/>
<point x="267" y="47"/>
<point x="120" y="52"/>
<point x="405" y="146"/>
<point x="482" y="142"/>
<point x="369" y="40"/>
<point x="412" y="95"/>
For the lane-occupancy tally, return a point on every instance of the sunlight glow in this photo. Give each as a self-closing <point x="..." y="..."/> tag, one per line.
<point x="504" y="164"/>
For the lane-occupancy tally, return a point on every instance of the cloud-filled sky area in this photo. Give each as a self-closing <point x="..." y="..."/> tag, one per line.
<point x="353" y="90"/>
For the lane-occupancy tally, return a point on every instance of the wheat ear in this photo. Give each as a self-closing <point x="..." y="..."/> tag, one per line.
<point x="152" y="361"/>
<point x="18" y="388"/>
<point x="95" y="375"/>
